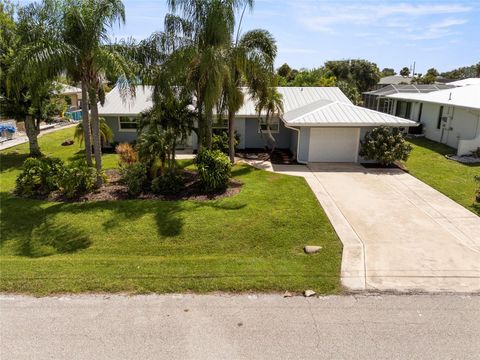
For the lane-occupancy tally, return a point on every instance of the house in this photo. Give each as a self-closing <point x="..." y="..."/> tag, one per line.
<point x="73" y="93"/>
<point x="378" y="100"/>
<point x="319" y="124"/>
<point x="394" y="80"/>
<point x="449" y="116"/>
<point x="463" y="82"/>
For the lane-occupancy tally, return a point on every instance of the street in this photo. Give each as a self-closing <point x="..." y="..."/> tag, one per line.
<point x="240" y="327"/>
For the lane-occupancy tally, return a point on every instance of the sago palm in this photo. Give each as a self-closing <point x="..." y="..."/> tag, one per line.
<point x="106" y="134"/>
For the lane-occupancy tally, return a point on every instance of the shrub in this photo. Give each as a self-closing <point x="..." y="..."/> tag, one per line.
<point x="214" y="169"/>
<point x="220" y="141"/>
<point x="167" y="184"/>
<point x="126" y="153"/>
<point x="135" y="177"/>
<point x="39" y="176"/>
<point x="77" y="178"/>
<point x="385" y="145"/>
<point x="477" y="195"/>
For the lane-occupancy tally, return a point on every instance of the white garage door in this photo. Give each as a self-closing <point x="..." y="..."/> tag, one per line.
<point x="333" y="144"/>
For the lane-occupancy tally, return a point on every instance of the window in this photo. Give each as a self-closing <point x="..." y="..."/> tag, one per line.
<point x="403" y="109"/>
<point x="127" y="123"/>
<point x="440" y="115"/>
<point x="420" y="112"/>
<point x="274" y="125"/>
<point x="220" y="123"/>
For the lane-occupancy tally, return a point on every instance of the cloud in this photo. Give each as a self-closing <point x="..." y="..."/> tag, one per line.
<point x="427" y="21"/>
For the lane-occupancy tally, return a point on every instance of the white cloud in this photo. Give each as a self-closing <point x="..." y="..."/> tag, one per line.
<point x="415" y="21"/>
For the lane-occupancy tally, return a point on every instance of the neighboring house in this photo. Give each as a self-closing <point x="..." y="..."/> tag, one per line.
<point x="394" y="80"/>
<point x="319" y="124"/>
<point x="450" y="116"/>
<point x="463" y="82"/>
<point x="378" y="100"/>
<point x="74" y="93"/>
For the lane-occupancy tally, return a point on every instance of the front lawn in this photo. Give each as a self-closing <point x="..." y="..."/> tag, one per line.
<point x="251" y="241"/>
<point x="428" y="163"/>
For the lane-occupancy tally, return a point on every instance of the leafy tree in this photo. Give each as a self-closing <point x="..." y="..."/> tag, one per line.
<point x="306" y="77"/>
<point x="463" y="72"/>
<point x="350" y="91"/>
<point x="405" y="71"/>
<point x="385" y="145"/>
<point x="387" y="72"/>
<point x="429" y="78"/>
<point x="284" y="70"/>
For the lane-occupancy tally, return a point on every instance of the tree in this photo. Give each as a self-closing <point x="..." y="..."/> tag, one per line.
<point x="201" y="36"/>
<point x="106" y="133"/>
<point x="269" y="102"/>
<point x="385" y="145"/>
<point x="284" y="70"/>
<point x="249" y="57"/>
<point x="26" y="91"/>
<point x="405" y="71"/>
<point x="387" y="72"/>
<point x="429" y="78"/>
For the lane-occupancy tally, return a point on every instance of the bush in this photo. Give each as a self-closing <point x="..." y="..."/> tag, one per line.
<point x="220" y="141"/>
<point x="135" y="177"/>
<point x="77" y="178"/>
<point x="167" y="184"/>
<point x="214" y="169"/>
<point x="39" y="176"/>
<point x="126" y="153"/>
<point x="385" y="145"/>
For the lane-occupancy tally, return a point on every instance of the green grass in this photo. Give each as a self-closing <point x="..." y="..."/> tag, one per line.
<point x="251" y="241"/>
<point x="427" y="162"/>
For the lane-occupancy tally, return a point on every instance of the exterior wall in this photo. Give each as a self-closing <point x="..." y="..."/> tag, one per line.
<point x="304" y="144"/>
<point x="120" y="136"/>
<point x="254" y="140"/>
<point x="240" y="129"/>
<point x="294" y="142"/>
<point x="462" y="124"/>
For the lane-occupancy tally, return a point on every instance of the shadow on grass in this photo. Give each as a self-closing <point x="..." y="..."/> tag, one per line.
<point x="12" y="160"/>
<point x="29" y="224"/>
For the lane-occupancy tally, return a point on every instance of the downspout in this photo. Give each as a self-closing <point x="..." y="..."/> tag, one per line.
<point x="298" y="141"/>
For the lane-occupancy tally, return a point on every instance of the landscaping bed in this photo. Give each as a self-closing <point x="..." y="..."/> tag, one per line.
<point x="114" y="190"/>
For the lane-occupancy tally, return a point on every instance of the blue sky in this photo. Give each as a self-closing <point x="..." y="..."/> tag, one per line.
<point x="444" y="34"/>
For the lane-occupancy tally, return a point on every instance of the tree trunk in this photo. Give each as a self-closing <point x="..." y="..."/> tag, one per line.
<point x="231" y="136"/>
<point x="97" y="143"/>
<point x="269" y="132"/>
<point x="32" y="134"/>
<point x="86" y="124"/>
<point x="208" y="130"/>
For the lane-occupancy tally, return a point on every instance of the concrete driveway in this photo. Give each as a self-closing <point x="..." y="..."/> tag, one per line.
<point x="398" y="233"/>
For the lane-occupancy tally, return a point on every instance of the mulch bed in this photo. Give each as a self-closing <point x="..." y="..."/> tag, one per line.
<point x="396" y="165"/>
<point x="115" y="190"/>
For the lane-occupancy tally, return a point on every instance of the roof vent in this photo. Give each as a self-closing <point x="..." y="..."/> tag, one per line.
<point x="450" y="97"/>
<point x="301" y="89"/>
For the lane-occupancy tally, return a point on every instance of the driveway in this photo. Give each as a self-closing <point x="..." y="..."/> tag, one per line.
<point x="398" y="233"/>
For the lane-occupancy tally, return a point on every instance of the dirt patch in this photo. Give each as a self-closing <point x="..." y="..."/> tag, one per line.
<point x="115" y="190"/>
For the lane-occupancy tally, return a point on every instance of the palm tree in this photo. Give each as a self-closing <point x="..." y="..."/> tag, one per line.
<point x="202" y="39"/>
<point x="72" y="36"/>
<point x="270" y="102"/>
<point x="86" y="25"/>
<point x="250" y="57"/>
<point x="106" y="134"/>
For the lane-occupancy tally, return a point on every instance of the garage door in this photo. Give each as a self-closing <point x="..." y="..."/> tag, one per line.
<point x="333" y="144"/>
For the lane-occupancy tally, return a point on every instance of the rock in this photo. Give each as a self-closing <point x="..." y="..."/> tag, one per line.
<point x="67" y="142"/>
<point x="308" y="293"/>
<point x="312" y="249"/>
<point x="287" y="294"/>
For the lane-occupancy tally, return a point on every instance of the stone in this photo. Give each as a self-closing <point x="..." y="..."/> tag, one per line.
<point x="287" y="294"/>
<point x="312" y="249"/>
<point x="308" y="293"/>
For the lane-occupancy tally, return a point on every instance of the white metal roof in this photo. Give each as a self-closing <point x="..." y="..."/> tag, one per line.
<point x="65" y="89"/>
<point x="115" y="104"/>
<point x="395" y="79"/>
<point x="464" y="96"/>
<point x="293" y="98"/>
<point x="335" y="113"/>
<point x="463" y="82"/>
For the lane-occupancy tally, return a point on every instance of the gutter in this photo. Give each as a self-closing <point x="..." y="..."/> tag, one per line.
<point x="298" y="141"/>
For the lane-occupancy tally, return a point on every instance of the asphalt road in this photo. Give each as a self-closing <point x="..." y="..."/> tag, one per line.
<point x="240" y="327"/>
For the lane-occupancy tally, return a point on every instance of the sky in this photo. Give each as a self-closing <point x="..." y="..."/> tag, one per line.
<point x="444" y="34"/>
